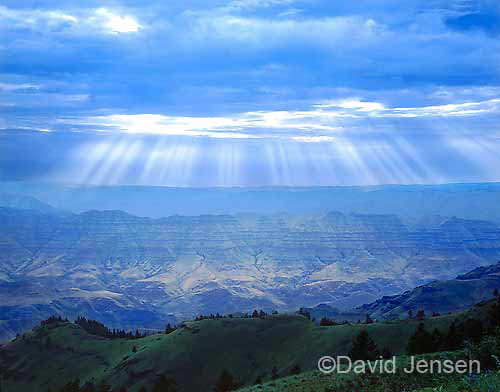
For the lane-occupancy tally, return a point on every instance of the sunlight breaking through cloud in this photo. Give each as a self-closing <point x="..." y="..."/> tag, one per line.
<point x="326" y="118"/>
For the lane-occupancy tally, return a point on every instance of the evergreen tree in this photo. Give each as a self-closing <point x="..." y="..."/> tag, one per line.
<point x="420" y="315"/>
<point x="169" y="329"/>
<point x="258" y="380"/>
<point x="453" y="339"/>
<point x="437" y="339"/>
<point x="363" y="348"/>
<point x="421" y="342"/>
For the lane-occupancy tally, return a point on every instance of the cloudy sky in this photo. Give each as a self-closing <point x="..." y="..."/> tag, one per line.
<point x="250" y="92"/>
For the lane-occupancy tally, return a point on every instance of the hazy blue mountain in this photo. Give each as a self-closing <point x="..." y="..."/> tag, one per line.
<point x="410" y="202"/>
<point x="24" y="202"/>
<point x="186" y="265"/>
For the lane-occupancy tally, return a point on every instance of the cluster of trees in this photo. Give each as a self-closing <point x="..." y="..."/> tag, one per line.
<point x="256" y="314"/>
<point x="53" y="320"/>
<point x="469" y="330"/>
<point x="211" y="316"/>
<point x="169" y="328"/>
<point x="423" y="341"/>
<point x="97" y="328"/>
<point x="326" y="322"/>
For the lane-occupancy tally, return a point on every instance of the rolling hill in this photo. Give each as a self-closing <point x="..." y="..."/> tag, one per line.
<point x="196" y="353"/>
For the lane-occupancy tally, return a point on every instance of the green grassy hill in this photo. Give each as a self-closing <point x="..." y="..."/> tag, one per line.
<point x="195" y="354"/>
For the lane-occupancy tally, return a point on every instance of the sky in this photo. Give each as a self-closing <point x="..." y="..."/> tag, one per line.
<point x="250" y="92"/>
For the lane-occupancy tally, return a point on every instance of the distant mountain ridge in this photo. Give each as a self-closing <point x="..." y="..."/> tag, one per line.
<point x="23" y="202"/>
<point x="186" y="265"/>
<point x="409" y="202"/>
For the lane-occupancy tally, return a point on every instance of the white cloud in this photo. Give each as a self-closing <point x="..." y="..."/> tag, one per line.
<point x="313" y="139"/>
<point x="85" y="21"/>
<point x="461" y="109"/>
<point x="360" y="109"/>
<point x="355" y="104"/>
<point x="17" y="87"/>
<point x="116" y="23"/>
<point x="318" y="124"/>
<point x="263" y="33"/>
<point x="32" y="18"/>
<point x="166" y="125"/>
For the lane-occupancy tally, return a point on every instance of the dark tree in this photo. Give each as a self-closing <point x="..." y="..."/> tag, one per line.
<point x="169" y="329"/>
<point x="472" y="329"/>
<point x="326" y="322"/>
<point x="421" y="342"/>
<point x="420" y="315"/>
<point x="258" y="380"/>
<point x="368" y="319"/>
<point x="453" y="339"/>
<point x="363" y="348"/>
<point x="496" y="293"/>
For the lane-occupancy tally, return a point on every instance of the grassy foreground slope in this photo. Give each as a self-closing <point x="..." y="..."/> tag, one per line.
<point x="195" y="354"/>
<point x="314" y="381"/>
